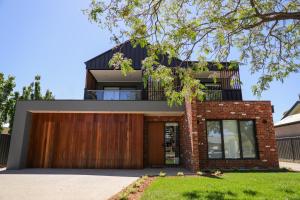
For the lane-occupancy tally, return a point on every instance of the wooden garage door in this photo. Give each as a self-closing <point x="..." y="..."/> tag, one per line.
<point x="86" y="140"/>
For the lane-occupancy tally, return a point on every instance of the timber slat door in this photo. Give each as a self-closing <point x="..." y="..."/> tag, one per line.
<point x="155" y="144"/>
<point x="86" y="140"/>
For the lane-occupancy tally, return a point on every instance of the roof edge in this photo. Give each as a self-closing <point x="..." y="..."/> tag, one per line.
<point x="290" y="110"/>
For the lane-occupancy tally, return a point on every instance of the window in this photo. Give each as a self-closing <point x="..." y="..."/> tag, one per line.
<point x="248" y="139"/>
<point x="117" y="93"/>
<point x="128" y="94"/>
<point x="111" y="93"/>
<point x="214" y="139"/>
<point x="171" y="143"/>
<point x="231" y="139"/>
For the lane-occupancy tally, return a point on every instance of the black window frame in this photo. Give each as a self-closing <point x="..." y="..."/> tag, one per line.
<point x="240" y="140"/>
<point x="178" y="145"/>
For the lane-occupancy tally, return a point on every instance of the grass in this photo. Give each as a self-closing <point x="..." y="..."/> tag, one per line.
<point x="235" y="185"/>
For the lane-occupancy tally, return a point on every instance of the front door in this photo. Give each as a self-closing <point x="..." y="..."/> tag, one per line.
<point x="156" y="144"/>
<point x="163" y="144"/>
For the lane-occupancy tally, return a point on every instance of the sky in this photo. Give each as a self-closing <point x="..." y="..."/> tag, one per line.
<point x="53" y="38"/>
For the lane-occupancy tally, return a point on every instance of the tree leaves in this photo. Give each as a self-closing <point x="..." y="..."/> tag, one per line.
<point x="118" y="61"/>
<point x="263" y="34"/>
<point x="6" y="93"/>
<point x="8" y="98"/>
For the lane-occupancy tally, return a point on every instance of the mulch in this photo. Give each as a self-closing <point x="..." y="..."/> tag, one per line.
<point x="139" y="191"/>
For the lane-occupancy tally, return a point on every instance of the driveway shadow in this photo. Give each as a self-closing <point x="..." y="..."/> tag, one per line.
<point x="98" y="172"/>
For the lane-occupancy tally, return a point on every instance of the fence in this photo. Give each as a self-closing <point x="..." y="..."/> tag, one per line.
<point x="289" y="149"/>
<point x="4" y="148"/>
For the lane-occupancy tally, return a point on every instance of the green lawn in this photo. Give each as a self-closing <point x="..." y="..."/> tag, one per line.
<point x="251" y="185"/>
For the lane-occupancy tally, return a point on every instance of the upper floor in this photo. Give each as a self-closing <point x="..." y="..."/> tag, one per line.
<point x="105" y="83"/>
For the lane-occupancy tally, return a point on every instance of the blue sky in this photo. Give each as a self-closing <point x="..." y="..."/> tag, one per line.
<point x="53" y="38"/>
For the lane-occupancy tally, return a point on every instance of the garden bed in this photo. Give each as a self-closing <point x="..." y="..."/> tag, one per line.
<point x="135" y="190"/>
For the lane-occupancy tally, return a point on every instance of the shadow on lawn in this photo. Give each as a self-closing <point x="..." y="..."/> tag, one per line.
<point x="250" y="192"/>
<point x="209" y="195"/>
<point x="258" y="170"/>
<point x="288" y="190"/>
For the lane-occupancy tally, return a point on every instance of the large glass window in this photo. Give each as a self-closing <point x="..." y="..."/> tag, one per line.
<point x="214" y="139"/>
<point x="117" y="93"/>
<point x="128" y="94"/>
<point x="231" y="139"/>
<point x="248" y="139"/>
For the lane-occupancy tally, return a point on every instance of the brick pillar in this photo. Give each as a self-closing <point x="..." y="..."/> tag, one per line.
<point x="190" y="147"/>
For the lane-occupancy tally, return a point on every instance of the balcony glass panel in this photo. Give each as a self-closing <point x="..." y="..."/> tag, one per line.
<point x="113" y="94"/>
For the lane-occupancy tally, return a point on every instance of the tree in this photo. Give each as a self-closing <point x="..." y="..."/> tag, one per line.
<point x="9" y="98"/>
<point x="33" y="91"/>
<point x="264" y="33"/>
<point x="6" y="92"/>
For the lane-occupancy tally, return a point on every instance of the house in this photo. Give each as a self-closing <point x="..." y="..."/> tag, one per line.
<point x="287" y="132"/>
<point x="122" y="124"/>
<point x="289" y="125"/>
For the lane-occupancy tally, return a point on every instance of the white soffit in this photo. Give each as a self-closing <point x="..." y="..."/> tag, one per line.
<point x="289" y="119"/>
<point x="296" y="110"/>
<point x="116" y="76"/>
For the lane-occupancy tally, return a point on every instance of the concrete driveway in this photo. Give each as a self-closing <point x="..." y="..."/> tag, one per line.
<point x="56" y="184"/>
<point x="69" y="184"/>
<point x="290" y="165"/>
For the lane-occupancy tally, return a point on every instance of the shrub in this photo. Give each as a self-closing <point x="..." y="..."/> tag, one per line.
<point x="137" y="184"/>
<point x="131" y="190"/>
<point x="199" y="173"/>
<point x="180" y="174"/>
<point x="162" y="174"/>
<point x="218" y="173"/>
<point x="123" y="196"/>
<point x="144" y="177"/>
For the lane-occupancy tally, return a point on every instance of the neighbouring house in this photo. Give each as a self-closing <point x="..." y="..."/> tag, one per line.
<point x="122" y="124"/>
<point x="287" y="132"/>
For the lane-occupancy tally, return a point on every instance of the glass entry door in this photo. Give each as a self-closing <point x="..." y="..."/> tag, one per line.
<point x="171" y="143"/>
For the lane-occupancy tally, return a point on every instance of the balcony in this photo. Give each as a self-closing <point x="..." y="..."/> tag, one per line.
<point x="157" y="95"/>
<point x="213" y="95"/>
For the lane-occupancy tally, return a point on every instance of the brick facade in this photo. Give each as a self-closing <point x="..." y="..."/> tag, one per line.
<point x="193" y="137"/>
<point x="260" y="111"/>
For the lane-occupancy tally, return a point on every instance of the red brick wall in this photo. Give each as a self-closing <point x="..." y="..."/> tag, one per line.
<point x="193" y="138"/>
<point x="260" y="111"/>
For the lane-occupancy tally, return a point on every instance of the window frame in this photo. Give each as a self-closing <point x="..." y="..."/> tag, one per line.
<point x="222" y="140"/>
<point x="178" y="138"/>
<point x="240" y="140"/>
